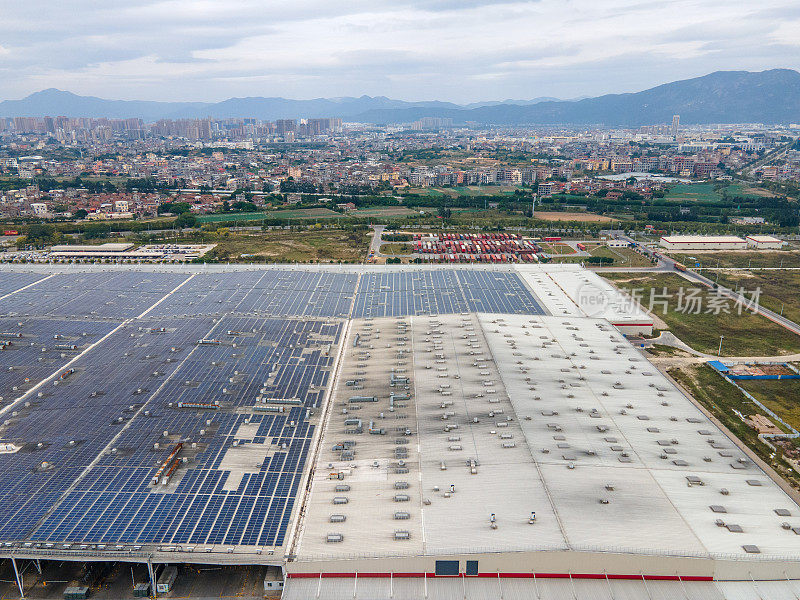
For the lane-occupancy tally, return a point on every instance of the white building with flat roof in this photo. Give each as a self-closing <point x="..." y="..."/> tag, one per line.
<point x="535" y="454"/>
<point x="569" y="289"/>
<point x="703" y="242"/>
<point x="765" y="242"/>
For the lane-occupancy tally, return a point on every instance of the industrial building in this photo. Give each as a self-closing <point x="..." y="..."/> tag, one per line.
<point x="703" y="242"/>
<point x="374" y="432"/>
<point x="764" y="242"/>
<point x="127" y="252"/>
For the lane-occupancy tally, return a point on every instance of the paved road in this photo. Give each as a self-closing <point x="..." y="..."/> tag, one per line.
<point x="375" y="244"/>
<point x="767" y="158"/>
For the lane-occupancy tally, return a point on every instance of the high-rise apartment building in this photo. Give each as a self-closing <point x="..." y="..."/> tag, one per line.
<point x="284" y="126"/>
<point x="676" y="119"/>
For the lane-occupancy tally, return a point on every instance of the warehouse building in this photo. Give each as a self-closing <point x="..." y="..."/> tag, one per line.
<point x="703" y="242"/>
<point x="570" y="290"/>
<point x="374" y="433"/>
<point x="127" y="252"/>
<point x="764" y="242"/>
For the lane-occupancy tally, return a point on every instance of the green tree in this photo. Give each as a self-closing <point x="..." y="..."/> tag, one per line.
<point x="186" y="219"/>
<point x="40" y="235"/>
<point x="176" y="208"/>
<point x="96" y="230"/>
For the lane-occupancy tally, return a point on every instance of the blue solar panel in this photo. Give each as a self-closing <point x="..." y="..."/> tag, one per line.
<point x="91" y="445"/>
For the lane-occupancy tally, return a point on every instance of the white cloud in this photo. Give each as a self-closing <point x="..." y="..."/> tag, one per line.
<point x="787" y="33"/>
<point x="459" y="50"/>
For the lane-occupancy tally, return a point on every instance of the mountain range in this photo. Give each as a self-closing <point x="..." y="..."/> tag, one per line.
<point x="771" y="96"/>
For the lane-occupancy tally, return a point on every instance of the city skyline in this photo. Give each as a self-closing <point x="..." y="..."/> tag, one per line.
<point x="413" y="50"/>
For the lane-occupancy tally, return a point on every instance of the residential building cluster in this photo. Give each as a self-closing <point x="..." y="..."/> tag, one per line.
<point x="205" y="161"/>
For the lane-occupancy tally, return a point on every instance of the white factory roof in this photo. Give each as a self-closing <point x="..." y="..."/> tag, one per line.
<point x="99" y="248"/>
<point x="541" y="279"/>
<point x="571" y="290"/>
<point x="702" y="239"/>
<point x="583" y="430"/>
<point x="765" y="239"/>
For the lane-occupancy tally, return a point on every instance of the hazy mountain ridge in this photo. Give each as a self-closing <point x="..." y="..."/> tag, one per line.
<point x="53" y="102"/>
<point x="722" y="97"/>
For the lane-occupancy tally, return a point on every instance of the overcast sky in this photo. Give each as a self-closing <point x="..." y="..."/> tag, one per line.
<point x="456" y="50"/>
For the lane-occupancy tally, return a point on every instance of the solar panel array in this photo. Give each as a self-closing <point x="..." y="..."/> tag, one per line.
<point x="270" y="292"/>
<point x="87" y="446"/>
<point x="37" y="347"/>
<point x="394" y="294"/>
<point x="92" y="295"/>
<point x="11" y="281"/>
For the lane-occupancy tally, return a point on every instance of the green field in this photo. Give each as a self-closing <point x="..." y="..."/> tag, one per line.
<point x="662" y="351"/>
<point x="770" y="258"/>
<point x="780" y="396"/>
<point x="397" y="248"/>
<point x="426" y="192"/>
<point x="778" y="289"/>
<point x="687" y="192"/>
<point x="623" y="257"/>
<point x="490" y="190"/>
<point x="737" y="190"/>
<point x="383" y="211"/>
<point x="465" y="190"/>
<point x="557" y="248"/>
<point x="724" y="400"/>
<point x="300" y="213"/>
<point x="329" y="245"/>
<point x="744" y="335"/>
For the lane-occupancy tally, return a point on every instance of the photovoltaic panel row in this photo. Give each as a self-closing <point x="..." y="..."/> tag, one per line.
<point x="72" y="422"/>
<point x="114" y="502"/>
<point x="442" y="291"/>
<point x="35" y="348"/>
<point x="270" y="292"/>
<point x="92" y="295"/>
<point x="12" y="281"/>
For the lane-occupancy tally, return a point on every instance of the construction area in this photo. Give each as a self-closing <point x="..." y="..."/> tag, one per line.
<point x="757" y="371"/>
<point x="365" y="432"/>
